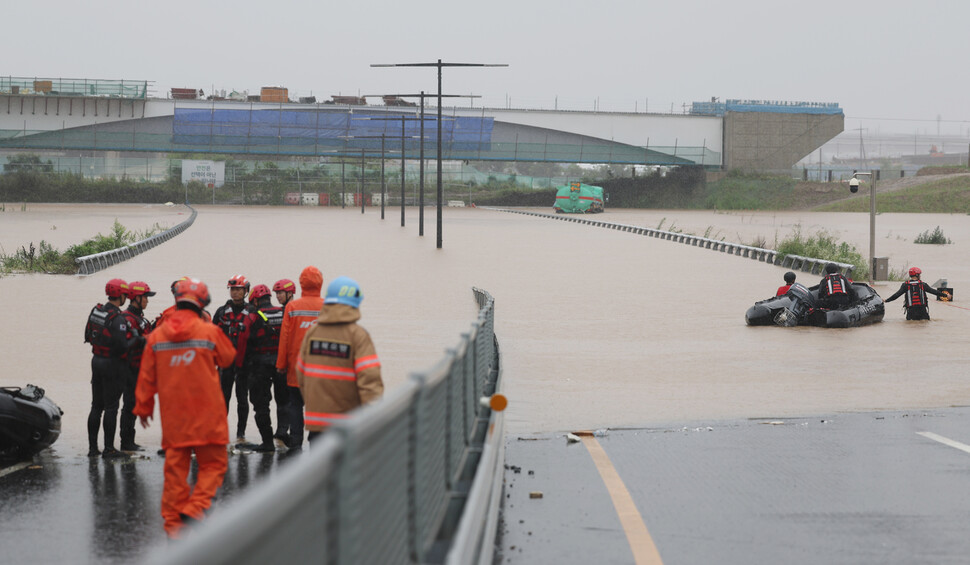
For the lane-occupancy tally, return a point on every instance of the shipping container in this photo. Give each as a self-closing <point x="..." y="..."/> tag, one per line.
<point x="274" y="94"/>
<point x="185" y="93"/>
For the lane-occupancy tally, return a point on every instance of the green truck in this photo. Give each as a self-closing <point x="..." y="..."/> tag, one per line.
<point x="578" y="198"/>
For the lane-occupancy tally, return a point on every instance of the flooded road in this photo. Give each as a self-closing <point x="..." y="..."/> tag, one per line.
<point x="598" y="328"/>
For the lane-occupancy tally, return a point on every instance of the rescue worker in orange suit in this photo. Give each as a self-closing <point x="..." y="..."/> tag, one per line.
<point x="258" y="347"/>
<point x="789" y="280"/>
<point x="231" y="317"/>
<point x="834" y="290"/>
<point x="338" y="369"/>
<point x="917" y="307"/>
<point x="107" y="332"/>
<point x="284" y="290"/>
<point x="138" y="326"/>
<point x="179" y="365"/>
<point x="298" y="316"/>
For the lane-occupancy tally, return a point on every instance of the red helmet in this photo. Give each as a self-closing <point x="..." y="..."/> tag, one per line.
<point x="116" y="288"/>
<point x="259" y="291"/>
<point x="915" y="272"/>
<point x="284" y="285"/>
<point x="239" y="281"/>
<point x="176" y="282"/>
<point x="139" y="288"/>
<point x="192" y="291"/>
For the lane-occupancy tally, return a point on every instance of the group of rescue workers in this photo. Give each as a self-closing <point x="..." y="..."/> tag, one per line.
<point x="835" y="291"/>
<point x="307" y="352"/>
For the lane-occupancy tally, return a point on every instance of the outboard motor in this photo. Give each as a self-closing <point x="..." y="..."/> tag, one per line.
<point x="802" y="302"/>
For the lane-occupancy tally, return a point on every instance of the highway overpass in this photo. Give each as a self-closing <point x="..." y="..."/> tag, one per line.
<point x="755" y="135"/>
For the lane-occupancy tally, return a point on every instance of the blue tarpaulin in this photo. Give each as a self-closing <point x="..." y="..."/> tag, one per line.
<point x="308" y="127"/>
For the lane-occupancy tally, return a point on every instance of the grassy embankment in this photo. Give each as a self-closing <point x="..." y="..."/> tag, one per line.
<point x="944" y="196"/>
<point x="45" y="259"/>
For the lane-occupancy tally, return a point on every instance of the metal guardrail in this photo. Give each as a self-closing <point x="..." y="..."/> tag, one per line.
<point x="414" y="478"/>
<point x="794" y="262"/>
<point x="90" y="264"/>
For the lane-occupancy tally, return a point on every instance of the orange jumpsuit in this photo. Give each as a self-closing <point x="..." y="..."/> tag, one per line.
<point x="179" y="365"/>
<point x="299" y="316"/>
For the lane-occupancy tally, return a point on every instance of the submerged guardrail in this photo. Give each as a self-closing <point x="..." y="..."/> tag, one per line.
<point x="794" y="262"/>
<point x="413" y="478"/>
<point x="90" y="264"/>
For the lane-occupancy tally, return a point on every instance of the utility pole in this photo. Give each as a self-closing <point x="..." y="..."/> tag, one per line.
<point x="439" y="65"/>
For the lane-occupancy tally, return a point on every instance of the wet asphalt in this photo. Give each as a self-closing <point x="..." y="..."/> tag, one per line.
<point x="70" y="509"/>
<point x="888" y="487"/>
<point x="863" y="488"/>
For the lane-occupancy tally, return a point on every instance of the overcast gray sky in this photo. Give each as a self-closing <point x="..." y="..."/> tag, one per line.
<point x="891" y="65"/>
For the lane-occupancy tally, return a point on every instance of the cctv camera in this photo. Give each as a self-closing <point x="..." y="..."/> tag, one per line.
<point x="853" y="185"/>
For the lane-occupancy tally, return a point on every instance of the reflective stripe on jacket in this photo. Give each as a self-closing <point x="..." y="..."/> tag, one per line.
<point x="338" y="368"/>
<point x="179" y="364"/>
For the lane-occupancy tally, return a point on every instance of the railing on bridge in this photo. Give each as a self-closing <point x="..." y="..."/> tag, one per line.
<point x="90" y="264"/>
<point x="414" y="478"/>
<point x="43" y="86"/>
<point x="795" y="262"/>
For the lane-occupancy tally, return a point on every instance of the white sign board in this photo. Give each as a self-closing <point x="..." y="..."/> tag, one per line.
<point x="209" y="173"/>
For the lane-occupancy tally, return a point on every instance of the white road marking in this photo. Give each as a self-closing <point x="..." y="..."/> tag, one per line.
<point x="946" y="441"/>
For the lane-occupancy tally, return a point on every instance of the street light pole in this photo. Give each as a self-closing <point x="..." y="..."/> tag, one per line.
<point x="421" y="172"/>
<point x="872" y="222"/>
<point x="383" y="187"/>
<point x="439" y="64"/>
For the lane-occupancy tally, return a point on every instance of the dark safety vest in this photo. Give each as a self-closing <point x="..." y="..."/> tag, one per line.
<point x="835" y="284"/>
<point x="266" y="330"/>
<point x="97" y="331"/>
<point x="915" y="295"/>
<point x="137" y="325"/>
<point x="232" y="323"/>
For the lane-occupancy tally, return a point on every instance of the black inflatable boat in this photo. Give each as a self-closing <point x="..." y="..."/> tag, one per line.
<point x="29" y="421"/>
<point x="800" y="308"/>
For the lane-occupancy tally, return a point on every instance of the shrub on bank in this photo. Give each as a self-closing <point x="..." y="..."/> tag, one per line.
<point x="824" y="246"/>
<point x="46" y="259"/>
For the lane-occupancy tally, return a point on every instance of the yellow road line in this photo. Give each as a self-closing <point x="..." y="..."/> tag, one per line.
<point x="644" y="550"/>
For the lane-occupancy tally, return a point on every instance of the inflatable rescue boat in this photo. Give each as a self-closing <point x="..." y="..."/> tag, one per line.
<point x="799" y="307"/>
<point x="29" y="422"/>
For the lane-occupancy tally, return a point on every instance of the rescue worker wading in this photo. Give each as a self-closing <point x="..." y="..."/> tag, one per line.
<point x="298" y="317"/>
<point x="258" y="346"/>
<point x="231" y="317"/>
<point x="138" y="293"/>
<point x="284" y="290"/>
<point x="179" y="364"/>
<point x="106" y="331"/>
<point x="338" y="369"/>
<point x="917" y="307"/>
<point x="834" y="290"/>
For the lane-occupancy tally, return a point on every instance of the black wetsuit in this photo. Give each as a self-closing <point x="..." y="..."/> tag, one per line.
<point x="917" y="307"/>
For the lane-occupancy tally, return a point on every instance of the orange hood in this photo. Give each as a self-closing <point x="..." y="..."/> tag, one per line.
<point x="311" y="281"/>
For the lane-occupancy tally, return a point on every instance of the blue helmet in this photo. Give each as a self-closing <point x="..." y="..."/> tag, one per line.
<point x="344" y="290"/>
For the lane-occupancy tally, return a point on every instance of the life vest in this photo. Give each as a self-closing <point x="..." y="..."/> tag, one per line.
<point x="835" y="284"/>
<point x="231" y="322"/>
<point x="915" y="295"/>
<point x="137" y="325"/>
<point x="266" y="336"/>
<point x="97" y="331"/>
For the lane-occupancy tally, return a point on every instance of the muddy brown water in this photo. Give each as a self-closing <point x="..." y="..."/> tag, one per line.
<point x="597" y="328"/>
